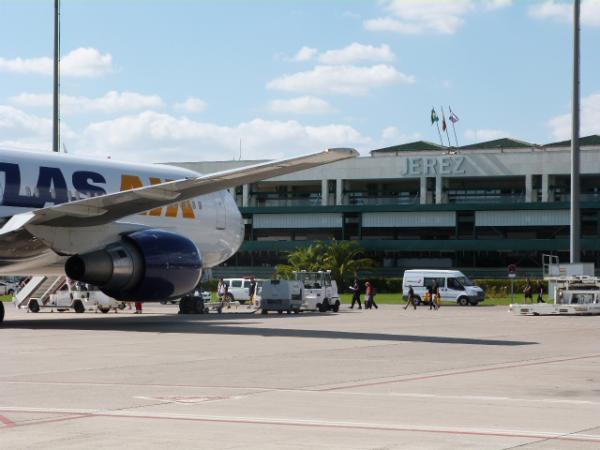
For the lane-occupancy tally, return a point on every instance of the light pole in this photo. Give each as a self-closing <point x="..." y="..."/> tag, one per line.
<point x="575" y="237"/>
<point x="56" y="84"/>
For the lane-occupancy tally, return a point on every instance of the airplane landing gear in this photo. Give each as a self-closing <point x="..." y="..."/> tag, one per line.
<point x="1" y="312"/>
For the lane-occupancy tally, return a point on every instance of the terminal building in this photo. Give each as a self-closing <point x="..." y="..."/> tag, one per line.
<point x="477" y="207"/>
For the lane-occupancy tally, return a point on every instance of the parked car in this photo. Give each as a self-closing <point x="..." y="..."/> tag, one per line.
<point x="239" y="289"/>
<point x="8" y="287"/>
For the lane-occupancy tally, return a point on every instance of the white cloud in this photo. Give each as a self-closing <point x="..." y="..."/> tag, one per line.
<point x="305" y="54"/>
<point x="191" y="105"/>
<point x="485" y="135"/>
<point x="563" y="12"/>
<point x="392" y="136"/>
<point x="86" y="62"/>
<point x="560" y="126"/>
<point x="356" y="52"/>
<point x="497" y="4"/>
<point x="350" y="54"/>
<point x="421" y="16"/>
<point x="348" y="80"/>
<point x="81" y="62"/>
<point x="429" y="16"/>
<point x="21" y="130"/>
<point x="111" y="102"/>
<point x="162" y="137"/>
<point x="301" y="105"/>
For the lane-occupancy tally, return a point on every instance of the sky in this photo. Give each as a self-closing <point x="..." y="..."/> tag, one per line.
<point x="177" y="80"/>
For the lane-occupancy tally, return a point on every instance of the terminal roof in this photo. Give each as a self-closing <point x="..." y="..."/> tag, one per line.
<point x="593" y="139"/>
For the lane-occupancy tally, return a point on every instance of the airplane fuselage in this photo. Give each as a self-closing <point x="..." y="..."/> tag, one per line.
<point x="30" y="181"/>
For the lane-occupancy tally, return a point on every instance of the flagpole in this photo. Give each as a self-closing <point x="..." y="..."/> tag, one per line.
<point x="453" y="127"/>
<point x="440" y="134"/>
<point x="444" y="120"/>
<point x="437" y="122"/>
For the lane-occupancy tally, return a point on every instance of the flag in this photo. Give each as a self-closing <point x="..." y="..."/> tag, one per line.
<point x="453" y="117"/>
<point x="443" y="121"/>
<point x="434" y="117"/>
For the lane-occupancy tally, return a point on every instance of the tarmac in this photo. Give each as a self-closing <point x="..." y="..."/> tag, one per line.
<point x="457" y="378"/>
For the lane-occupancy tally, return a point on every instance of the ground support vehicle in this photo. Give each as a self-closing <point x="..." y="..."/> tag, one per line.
<point x="573" y="295"/>
<point x="78" y="300"/>
<point x="280" y="296"/>
<point x="8" y="287"/>
<point x="454" y="286"/>
<point x="319" y="291"/>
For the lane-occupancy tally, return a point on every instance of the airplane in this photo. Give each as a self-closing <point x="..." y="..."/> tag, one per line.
<point x="140" y="232"/>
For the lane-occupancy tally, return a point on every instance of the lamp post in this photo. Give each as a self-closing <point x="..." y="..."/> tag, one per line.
<point x="56" y="83"/>
<point x="575" y="237"/>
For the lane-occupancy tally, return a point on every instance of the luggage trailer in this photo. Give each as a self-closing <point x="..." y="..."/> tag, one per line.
<point x="573" y="295"/>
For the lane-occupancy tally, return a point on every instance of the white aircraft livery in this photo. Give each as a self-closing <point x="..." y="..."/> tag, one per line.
<point x="137" y="231"/>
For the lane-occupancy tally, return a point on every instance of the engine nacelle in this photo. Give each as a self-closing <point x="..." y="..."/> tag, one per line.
<point x="145" y="265"/>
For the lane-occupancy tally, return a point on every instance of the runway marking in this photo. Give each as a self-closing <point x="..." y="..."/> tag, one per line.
<point x="458" y="372"/>
<point x="186" y="400"/>
<point x="7" y="422"/>
<point x="308" y="423"/>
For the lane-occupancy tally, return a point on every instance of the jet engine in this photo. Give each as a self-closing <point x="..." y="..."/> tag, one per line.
<point x="145" y="265"/>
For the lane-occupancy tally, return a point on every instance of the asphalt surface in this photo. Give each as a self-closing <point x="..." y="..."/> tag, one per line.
<point x="457" y="378"/>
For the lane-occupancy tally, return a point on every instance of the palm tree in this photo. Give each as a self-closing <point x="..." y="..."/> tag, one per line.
<point x="343" y="258"/>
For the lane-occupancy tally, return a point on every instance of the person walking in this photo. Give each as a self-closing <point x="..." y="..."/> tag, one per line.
<point x="252" y="290"/>
<point x="434" y="291"/>
<point x="370" y="296"/>
<point x="355" y="288"/>
<point x="410" y="299"/>
<point x="540" y="292"/>
<point x="221" y="289"/>
<point x="528" y="291"/>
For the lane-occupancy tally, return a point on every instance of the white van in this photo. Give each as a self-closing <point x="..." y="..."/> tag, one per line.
<point x="238" y="289"/>
<point x="453" y="285"/>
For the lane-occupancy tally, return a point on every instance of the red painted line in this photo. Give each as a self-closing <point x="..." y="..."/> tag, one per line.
<point x="460" y="372"/>
<point x="45" y="421"/>
<point x="7" y="422"/>
<point x="565" y="437"/>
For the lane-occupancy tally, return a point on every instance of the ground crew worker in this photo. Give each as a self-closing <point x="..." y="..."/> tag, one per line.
<point x="540" y="290"/>
<point x="410" y="300"/>
<point x="434" y="293"/>
<point x="252" y="290"/>
<point x="355" y="288"/>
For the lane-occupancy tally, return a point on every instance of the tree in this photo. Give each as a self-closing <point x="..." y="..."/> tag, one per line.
<point x="343" y="258"/>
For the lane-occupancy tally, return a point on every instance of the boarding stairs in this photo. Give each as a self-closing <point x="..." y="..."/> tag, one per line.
<point x="39" y="287"/>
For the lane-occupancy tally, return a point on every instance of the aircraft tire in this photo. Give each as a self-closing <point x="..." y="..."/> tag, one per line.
<point x="186" y="306"/>
<point x="78" y="307"/>
<point x="199" y="306"/>
<point x="1" y="312"/>
<point x="34" y="306"/>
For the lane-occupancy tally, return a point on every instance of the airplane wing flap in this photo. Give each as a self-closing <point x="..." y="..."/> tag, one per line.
<point x="110" y="207"/>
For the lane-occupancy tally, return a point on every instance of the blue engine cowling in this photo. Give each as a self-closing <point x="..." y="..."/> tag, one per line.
<point x="148" y="265"/>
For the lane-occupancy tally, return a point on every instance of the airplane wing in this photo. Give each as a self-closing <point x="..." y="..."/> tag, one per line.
<point x="111" y="207"/>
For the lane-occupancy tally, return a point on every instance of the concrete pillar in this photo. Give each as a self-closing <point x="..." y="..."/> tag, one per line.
<point x="545" y="187"/>
<point x="245" y="195"/>
<point x="439" y="184"/>
<point x="528" y="188"/>
<point x="423" y="191"/>
<point x="339" y="191"/>
<point x="324" y="192"/>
